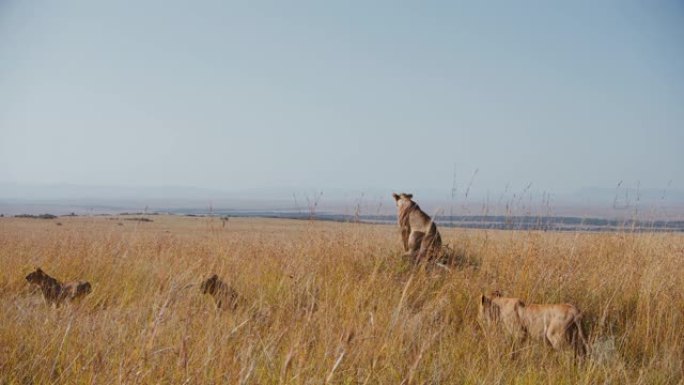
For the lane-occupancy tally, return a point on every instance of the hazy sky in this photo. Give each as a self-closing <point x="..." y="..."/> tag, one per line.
<point x="347" y="94"/>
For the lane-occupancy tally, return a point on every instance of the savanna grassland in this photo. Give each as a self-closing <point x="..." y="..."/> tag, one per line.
<point x="328" y="303"/>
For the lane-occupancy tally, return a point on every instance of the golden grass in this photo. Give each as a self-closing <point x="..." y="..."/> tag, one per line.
<point x="328" y="303"/>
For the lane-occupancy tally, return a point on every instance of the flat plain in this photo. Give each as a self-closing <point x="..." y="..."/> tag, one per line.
<point x="328" y="302"/>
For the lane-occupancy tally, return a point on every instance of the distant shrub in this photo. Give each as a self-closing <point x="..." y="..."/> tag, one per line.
<point x="139" y="219"/>
<point x="41" y="216"/>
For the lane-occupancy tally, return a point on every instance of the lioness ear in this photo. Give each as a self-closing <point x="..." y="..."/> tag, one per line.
<point x="409" y="196"/>
<point x="396" y="196"/>
<point x="39" y="270"/>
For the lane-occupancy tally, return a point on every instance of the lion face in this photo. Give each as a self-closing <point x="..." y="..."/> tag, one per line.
<point x="484" y="308"/>
<point x="491" y="306"/>
<point x="209" y="286"/>
<point x="36" y="277"/>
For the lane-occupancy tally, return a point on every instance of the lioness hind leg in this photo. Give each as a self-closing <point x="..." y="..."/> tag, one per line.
<point x="430" y="247"/>
<point x="577" y="340"/>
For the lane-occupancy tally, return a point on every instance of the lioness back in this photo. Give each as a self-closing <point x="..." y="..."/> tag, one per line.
<point x="76" y="289"/>
<point x="536" y="315"/>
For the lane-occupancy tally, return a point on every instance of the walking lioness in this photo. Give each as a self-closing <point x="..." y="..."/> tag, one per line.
<point x="557" y="324"/>
<point x="223" y="293"/>
<point x="55" y="292"/>
<point x="419" y="233"/>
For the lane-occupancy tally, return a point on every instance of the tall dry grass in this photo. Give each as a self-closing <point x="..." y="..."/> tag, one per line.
<point x="328" y="303"/>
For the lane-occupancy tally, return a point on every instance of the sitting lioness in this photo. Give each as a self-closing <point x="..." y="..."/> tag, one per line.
<point x="55" y="292"/>
<point x="557" y="324"/>
<point x="418" y="232"/>
<point x="221" y="291"/>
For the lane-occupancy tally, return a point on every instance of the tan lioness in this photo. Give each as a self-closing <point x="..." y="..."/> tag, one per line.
<point x="221" y="291"/>
<point x="55" y="292"/>
<point x="419" y="233"/>
<point x="557" y="324"/>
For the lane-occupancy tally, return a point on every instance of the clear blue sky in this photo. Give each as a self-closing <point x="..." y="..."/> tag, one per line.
<point x="347" y="94"/>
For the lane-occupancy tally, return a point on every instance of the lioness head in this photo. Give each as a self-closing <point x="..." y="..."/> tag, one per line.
<point x="403" y="201"/>
<point x="401" y="197"/>
<point x="37" y="276"/>
<point x="210" y="285"/>
<point x="487" y="310"/>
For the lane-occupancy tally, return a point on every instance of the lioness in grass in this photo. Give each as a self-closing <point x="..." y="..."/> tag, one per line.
<point x="419" y="233"/>
<point x="557" y="324"/>
<point x="223" y="293"/>
<point x="55" y="292"/>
